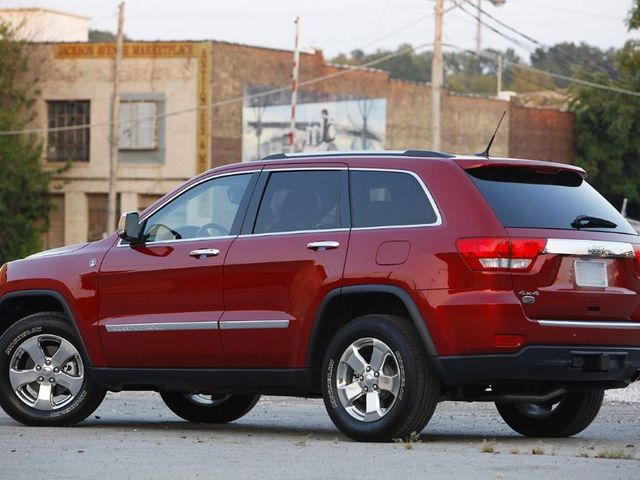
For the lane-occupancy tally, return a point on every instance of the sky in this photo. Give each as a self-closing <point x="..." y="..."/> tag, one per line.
<point x="336" y="26"/>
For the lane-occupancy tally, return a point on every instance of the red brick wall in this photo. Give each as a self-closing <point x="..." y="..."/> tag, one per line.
<point x="541" y="133"/>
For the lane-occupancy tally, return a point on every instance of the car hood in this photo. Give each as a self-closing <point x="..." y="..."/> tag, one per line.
<point x="59" y="251"/>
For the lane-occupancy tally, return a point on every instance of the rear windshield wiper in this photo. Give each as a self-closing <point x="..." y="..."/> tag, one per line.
<point x="586" y="221"/>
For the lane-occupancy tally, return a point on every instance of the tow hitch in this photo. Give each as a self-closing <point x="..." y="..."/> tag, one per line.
<point x="598" y="361"/>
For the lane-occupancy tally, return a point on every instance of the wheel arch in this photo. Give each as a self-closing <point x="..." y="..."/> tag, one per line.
<point x="343" y="304"/>
<point x="13" y="308"/>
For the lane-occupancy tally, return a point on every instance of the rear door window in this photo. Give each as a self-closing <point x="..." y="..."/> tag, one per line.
<point x="385" y="198"/>
<point x="526" y="198"/>
<point x="299" y="201"/>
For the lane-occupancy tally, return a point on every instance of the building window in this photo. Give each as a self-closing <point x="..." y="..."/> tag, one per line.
<point x="138" y="129"/>
<point x="142" y="128"/>
<point x="68" y="145"/>
<point x="97" y="206"/>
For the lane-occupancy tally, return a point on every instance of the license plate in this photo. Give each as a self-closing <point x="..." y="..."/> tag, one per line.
<point x="590" y="274"/>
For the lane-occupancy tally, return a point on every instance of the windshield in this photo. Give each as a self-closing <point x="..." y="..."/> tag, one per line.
<point x="526" y="198"/>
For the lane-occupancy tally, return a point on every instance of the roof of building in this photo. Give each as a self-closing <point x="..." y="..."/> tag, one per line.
<point x="43" y="10"/>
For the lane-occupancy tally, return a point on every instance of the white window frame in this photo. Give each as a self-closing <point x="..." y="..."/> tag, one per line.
<point x="138" y="125"/>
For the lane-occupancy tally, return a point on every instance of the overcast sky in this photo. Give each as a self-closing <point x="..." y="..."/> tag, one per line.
<point x="343" y="25"/>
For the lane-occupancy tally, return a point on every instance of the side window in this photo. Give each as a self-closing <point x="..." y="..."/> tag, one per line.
<point x="300" y="200"/>
<point x="380" y="198"/>
<point x="207" y="210"/>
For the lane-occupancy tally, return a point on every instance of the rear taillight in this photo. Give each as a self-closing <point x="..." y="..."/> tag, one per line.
<point x="501" y="253"/>
<point x="636" y="248"/>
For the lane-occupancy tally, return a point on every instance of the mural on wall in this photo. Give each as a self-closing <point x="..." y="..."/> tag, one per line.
<point x="323" y="122"/>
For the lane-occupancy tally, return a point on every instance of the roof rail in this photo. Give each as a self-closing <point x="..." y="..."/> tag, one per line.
<point x="427" y="153"/>
<point x="333" y="153"/>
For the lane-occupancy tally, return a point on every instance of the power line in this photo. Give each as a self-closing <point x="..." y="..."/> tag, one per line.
<point x="542" y="45"/>
<point x="569" y="65"/>
<point x="579" y="81"/>
<point x="345" y="71"/>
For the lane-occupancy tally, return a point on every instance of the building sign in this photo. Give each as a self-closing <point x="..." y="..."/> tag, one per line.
<point x="130" y="50"/>
<point x="201" y="51"/>
<point x="323" y="122"/>
<point x="203" y="121"/>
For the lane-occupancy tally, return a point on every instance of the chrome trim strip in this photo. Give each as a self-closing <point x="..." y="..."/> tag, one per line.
<point x="589" y="248"/>
<point x="438" y="221"/>
<point x="337" y="168"/>
<point x="583" y="324"/>
<point x="332" y="230"/>
<point x="336" y="153"/>
<point x="161" y="327"/>
<point x="253" y="324"/>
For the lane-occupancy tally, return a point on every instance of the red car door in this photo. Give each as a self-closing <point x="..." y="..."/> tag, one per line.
<point x="159" y="303"/>
<point x="290" y="254"/>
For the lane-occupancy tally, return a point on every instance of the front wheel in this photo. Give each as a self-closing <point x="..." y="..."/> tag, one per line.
<point x="377" y="382"/>
<point x="44" y="376"/>
<point x="562" y="416"/>
<point x="209" y="408"/>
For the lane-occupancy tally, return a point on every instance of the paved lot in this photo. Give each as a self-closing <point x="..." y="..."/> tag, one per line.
<point x="133" y="435"/>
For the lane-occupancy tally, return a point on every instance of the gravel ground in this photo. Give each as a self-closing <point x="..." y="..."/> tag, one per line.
<point x="629" y="394"/>
<point x="133" y="435"/>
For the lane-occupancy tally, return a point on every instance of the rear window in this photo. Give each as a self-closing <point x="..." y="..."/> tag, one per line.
<point x="385" y="198"/>
<point x="525" y="198"/>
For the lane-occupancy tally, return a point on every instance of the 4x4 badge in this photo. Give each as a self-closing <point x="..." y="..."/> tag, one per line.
<point x="528" y="297"/>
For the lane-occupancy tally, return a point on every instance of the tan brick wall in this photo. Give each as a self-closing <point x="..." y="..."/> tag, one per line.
<point x="469" y="122"/>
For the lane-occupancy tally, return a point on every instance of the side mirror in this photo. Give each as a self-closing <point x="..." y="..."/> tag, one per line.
<point x="130" y="229"/>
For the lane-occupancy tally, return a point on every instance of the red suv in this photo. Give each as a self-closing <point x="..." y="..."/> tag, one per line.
<point x="384" y="282"/>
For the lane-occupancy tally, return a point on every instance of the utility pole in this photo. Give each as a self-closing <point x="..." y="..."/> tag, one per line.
<point x="436" y="77"/>
<point x="115" y="127"/>
<point x="499" y="75"/>
<point x="294" y="85"/>
<point x="479" y="28"/>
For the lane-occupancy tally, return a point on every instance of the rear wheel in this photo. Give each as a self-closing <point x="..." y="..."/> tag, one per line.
<point x="563" y="416"/>
<point x="44" y="375"/>
<point x="377" y="381"/>
<point x="209" y="408"/>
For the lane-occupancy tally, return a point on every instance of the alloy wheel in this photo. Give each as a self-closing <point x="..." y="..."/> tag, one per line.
<point x="46" y="372"/>
<point x="368" y="379"/>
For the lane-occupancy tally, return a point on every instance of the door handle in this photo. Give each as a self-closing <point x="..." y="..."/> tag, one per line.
<point x="204" y="252"/>
<point x="322" y="246"/>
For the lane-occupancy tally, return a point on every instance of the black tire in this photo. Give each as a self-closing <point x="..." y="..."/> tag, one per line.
<point x="70" y="396"/>
<point x="563" y="417"/>
<point x="398" y="415"/>
<point x="198" y="408"/>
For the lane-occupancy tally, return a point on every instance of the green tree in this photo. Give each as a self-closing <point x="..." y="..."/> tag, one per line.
<point x="607" y="124"/>
<point x="569" y="59"/>
<point x="98" y="36"/>
<point x="24" y="202"/>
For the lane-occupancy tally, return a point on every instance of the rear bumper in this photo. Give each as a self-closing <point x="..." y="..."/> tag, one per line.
<point x="596" y="366"/>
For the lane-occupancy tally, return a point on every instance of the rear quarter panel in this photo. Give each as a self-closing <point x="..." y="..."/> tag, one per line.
<point x="451" y="298"/>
